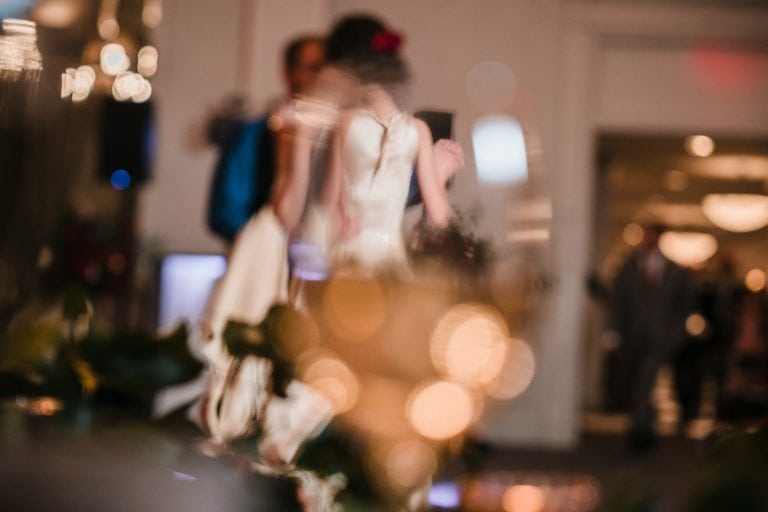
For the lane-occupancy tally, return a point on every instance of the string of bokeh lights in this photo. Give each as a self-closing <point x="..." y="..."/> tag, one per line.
<point x="112" y="65"/>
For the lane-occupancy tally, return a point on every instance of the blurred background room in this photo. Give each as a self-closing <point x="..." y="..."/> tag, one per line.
<point x="595" y="132"/>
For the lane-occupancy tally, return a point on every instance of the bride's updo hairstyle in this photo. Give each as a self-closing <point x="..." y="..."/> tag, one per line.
<point x="365" y="47"/>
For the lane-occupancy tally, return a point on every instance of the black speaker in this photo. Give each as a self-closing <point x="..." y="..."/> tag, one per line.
<point x="440" y="123"/>
<point x="127" y="140"/>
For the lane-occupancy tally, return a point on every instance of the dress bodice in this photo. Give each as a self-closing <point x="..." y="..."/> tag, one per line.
<point x="378" y="159"/>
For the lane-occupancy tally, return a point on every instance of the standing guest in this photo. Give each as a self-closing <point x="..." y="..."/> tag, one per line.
<point x="650" y="302"/>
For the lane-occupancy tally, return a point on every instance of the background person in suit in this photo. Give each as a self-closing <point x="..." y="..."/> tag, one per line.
<point x="650" y="301"/>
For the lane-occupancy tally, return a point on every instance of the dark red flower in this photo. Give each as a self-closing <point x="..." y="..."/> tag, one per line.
<point x="386" y="41"/>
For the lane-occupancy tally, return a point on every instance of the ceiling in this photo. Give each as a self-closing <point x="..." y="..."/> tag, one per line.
<point x="652" y="178"/>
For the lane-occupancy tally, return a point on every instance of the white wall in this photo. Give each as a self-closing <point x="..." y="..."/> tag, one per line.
<point x="209" y="50"/>
<point x="580" y="67"/>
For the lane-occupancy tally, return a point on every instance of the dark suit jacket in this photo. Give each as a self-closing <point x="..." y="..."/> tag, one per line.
<point x="651" y="316"/>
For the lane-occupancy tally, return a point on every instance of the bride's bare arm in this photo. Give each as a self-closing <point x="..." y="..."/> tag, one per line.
<point x="289" y="195"/>
<point x="436" y="203"/>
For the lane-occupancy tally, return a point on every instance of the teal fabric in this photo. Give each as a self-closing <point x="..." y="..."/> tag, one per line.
<point x="242" y="179"/>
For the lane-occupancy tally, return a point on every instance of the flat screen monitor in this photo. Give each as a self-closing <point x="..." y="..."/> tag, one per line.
<point x="186" y="281"/>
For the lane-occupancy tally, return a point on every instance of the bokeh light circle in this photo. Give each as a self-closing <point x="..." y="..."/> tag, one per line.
<point x="440" y="410"/>
<point x="354" y="307"/>
<point x="114" y="59"/>
<point x="524" y="498"/>
<point x="332" y="377"/>
<point x="517" y="372"/>
<point x="755" y="280"/>
<point x="120" y="179"/>
<point x="491" y="86"/>
<point x="469" y="344"/>
<point x="409" y="463"/>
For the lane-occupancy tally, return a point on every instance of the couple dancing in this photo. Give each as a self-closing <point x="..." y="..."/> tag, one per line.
<point x="345" y="156"/>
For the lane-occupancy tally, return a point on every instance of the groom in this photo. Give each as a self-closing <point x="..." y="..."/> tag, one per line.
<point x="245" y="171"/>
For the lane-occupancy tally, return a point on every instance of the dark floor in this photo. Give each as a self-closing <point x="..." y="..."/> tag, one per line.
<point x="664" y="472"/>
<point x="135" y="466"/>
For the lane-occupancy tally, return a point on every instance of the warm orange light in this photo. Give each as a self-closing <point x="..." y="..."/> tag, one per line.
<point x="695" y="324"/>
<point x="469" y="344"/>
<point x="381" y="408"/>
<point x="755" y="280"/>
<point x="409" y="463"/>
<point x="44" y="406"/>
<point x="333" y="378"/>
<point x="523" y="498"/>
<point x="517" y="373"/>
<point x="440" y="410"/>
<point x="699" y="145"/>
<point x="633" y="234"/>
<point x="355" y="308"/>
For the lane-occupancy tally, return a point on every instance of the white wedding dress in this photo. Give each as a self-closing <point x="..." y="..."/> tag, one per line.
<point x="378" y="159"/>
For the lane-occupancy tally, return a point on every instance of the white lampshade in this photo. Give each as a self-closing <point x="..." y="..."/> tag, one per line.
<point x="687" y="248"/>
<point x="739" y="213"/>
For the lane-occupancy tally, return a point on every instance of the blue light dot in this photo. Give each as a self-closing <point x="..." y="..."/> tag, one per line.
<point x="444" y="495"/>
<point x="120" y="180"/>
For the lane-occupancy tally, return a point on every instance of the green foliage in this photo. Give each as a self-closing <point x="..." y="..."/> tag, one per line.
<point x="137" y="364"/>
<point x="75" y="303"/>
<point x="124" y="367"/>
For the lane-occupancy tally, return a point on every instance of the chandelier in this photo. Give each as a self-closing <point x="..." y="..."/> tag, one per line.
<point x="687" y="248"/>
<point x="739" y="213"/>
<point x="115" y="63"/>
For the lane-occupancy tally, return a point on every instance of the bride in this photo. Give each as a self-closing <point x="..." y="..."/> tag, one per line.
<point x="373" y="152"/>
<point x="347" y="204"/>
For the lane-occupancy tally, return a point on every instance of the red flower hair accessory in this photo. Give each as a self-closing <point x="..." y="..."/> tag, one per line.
<point x="386" y="41"/>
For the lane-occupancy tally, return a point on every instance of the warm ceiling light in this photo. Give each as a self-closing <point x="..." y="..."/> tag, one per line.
<point x="699" y="145"/>
<point x="109" y="29"/>
<point x="687" y="248"/>
<point x="755" y="280"/>
<point x="740" y="213"/>
<point x="633" y="234"/>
